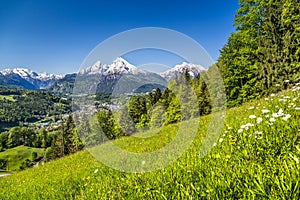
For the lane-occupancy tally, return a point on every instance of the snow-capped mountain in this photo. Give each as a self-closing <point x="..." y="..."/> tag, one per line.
<point x="118" y="66"/>
<point x="121" y="66"/>
<point x="97" y="68"/>
<point x="29" y="79"/>
<point x="193" y="69"/>
<point x="102" y="76"/>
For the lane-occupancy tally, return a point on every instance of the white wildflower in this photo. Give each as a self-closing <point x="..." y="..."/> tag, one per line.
<point x="221" y="140"/>
<point x="240" y="130"/>
<point x="258" y="132"/>
<point x="249" y="124"/>
<point x="280" y="112"/>
<point x="297" y="108"/>
<point x="273" y="95"/>
<point x="286" y="117"/>
<point x="96" y="170"/>
<point x="270" y="124"/>
<point x="251" y="108"/>
<point x="272" y="119"/>
<point x="259" y="120"/>
<point x="265" y="111"/>
<point x="143" y="162"/>
<point x="252" y="116"/>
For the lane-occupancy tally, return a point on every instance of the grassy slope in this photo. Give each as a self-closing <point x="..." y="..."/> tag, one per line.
<point x="8" y="97"/>
<point x="17" y="155"/>
<point x="247" y="164"/>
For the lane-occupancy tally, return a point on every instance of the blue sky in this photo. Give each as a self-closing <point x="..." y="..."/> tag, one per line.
<point x="56" y="35"/>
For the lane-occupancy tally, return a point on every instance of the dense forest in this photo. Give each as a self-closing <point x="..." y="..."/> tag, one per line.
<point x="21" y="106"/>
<point x="263" y="55"/>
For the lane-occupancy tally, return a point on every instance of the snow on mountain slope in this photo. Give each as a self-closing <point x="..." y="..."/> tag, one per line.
<point x="38" y="80"/>
<point x="193" y="69"/>
<point x="118" y="66"/>
<point x="121" y="66"/>
<point x="110" y="72"/>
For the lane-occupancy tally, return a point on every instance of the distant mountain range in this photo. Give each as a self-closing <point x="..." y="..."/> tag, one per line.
<point x="25" y="78"/>
<point x="104" y="78"/>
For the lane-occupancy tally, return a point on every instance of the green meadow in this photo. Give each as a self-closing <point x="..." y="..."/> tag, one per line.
<point x="256" y="156"/>
<point x="16" y="156"/>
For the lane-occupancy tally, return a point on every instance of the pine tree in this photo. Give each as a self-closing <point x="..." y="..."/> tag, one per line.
<point x="237" y="62"/>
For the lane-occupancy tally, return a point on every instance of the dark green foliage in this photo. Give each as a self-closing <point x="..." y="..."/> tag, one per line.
<point x="34" y="155"/>
<point x="3" y="164"/>
<point x="263" y="55"/>
<point x="29" y="106"/>
<point x="182" y="99"/>
<point x="279" y="55"/>
<point x="108" y="125"/>
<point x="66" y="141"/>
<point x="137" y="106"/>
<point x="3" y="140"/>
<point x="125" y="122"/>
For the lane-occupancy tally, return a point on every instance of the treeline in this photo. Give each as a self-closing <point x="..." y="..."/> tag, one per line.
<point x="262" y="56"/>
<point x="29" y="105"/>
<point x="57" y="144"/>
<point x="184" y="98"/>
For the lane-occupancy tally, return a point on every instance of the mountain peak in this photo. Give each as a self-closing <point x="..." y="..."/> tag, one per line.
<point x="38" y="80"/>
<point x="122" y="66"/>
<point x="193" y="69"/>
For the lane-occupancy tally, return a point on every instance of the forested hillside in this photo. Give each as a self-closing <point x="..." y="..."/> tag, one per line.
<point x="21" y="106"/>
<point x="263" y="54"/>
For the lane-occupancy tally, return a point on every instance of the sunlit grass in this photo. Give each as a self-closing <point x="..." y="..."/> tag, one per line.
<point x="15" y="156"/>
<point x="253" y="158"/>
<point x="7" y="97"/>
